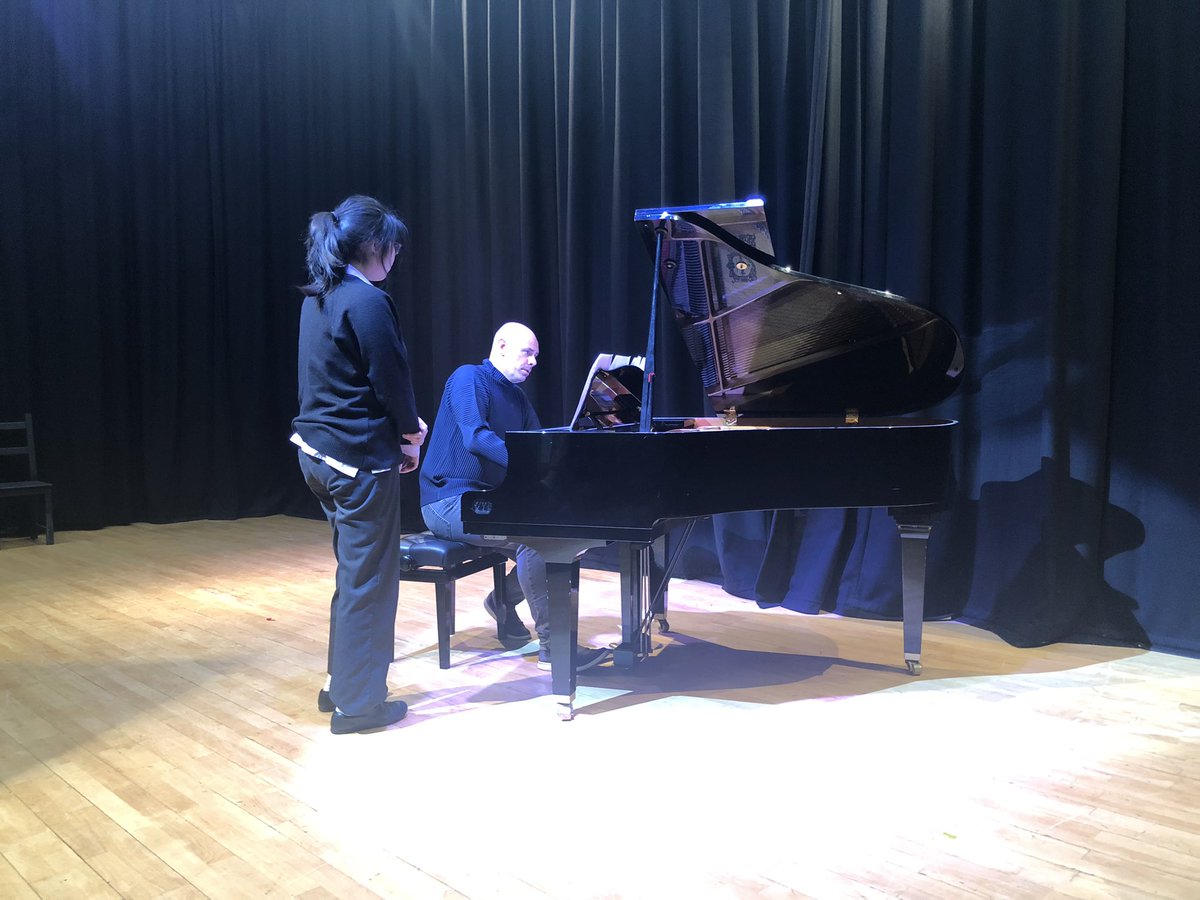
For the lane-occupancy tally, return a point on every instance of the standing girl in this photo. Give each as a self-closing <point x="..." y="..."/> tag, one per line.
<point x="358" y="431"/>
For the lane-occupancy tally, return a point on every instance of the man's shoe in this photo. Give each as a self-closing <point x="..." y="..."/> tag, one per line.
<point x="585" y="657"/>
<point x="324" y="703"/>
<point x="387" y="713"/>
<point x="514" y="628"/>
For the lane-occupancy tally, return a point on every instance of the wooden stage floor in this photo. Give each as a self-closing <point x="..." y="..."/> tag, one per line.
<point x="159" y="738"/>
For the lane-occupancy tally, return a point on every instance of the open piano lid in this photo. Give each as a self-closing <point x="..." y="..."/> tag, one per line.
<point x="772" y="342"/>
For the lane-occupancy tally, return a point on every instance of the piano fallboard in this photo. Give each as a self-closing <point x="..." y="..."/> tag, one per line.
<point x="623" y="485"/>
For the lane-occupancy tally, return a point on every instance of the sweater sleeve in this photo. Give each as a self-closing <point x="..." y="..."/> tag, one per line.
<point x="472" y="398"/>
<point x="377" y="329"/>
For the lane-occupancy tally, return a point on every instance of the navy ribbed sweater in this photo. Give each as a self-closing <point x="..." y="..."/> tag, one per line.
<point x="466" y="450"/>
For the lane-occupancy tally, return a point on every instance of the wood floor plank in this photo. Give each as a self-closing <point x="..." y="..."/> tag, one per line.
<point x="47" y="863"/>
<point x="159" y="738"/>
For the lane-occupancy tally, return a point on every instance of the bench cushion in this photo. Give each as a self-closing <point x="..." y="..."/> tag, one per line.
<point x="425" y="550"/>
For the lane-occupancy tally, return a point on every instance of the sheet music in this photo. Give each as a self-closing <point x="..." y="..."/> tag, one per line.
<point x="607" y="400"/>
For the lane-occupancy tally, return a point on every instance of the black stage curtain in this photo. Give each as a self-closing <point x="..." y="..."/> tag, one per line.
<point x="1026" y="169"/>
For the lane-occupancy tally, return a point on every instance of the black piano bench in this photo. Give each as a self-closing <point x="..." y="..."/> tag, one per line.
<point x="432" y="560"/>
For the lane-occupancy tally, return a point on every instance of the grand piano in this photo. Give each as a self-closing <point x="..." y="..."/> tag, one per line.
<point x="811" y="384"/>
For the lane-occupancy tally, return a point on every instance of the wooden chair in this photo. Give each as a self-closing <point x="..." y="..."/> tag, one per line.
<point x="441" y="563"/>
<point x="16" y="440"/>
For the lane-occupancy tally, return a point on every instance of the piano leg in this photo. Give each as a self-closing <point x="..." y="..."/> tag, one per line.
<point x="636" y="561"/>
<point x="659" y="555"/>
<point x="563" y="580"/>
<point x="914" y="542"/>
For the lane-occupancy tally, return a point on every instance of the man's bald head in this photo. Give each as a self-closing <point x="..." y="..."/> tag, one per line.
<point x="514" y="351"/>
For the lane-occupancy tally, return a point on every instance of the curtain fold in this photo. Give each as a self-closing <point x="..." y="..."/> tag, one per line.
<point x="1028" y="171"/>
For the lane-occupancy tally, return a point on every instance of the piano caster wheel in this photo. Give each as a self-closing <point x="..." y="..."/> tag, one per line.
<point x="914" y="667"/>
<point x="664" y="626"/>
<point x="566" y="710"/>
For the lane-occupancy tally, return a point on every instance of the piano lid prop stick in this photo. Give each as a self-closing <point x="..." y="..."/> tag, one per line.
<point x="660" y="234"/>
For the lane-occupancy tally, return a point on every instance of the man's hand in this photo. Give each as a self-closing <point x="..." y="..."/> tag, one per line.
<point x="417" y="438"/>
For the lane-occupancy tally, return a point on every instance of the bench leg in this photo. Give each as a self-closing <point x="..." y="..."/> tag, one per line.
<point x="499" y="598"/>
<point x="444" y="594"/>
<point x="499" y="583"/>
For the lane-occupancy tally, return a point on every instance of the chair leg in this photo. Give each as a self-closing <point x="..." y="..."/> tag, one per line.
<point x="49" y="519"/>
<point x="444" y="594"/>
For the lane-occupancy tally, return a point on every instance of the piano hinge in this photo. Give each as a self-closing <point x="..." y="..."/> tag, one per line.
<point x="852" y="417"/>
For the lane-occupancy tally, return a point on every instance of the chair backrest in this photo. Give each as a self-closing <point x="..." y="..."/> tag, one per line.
<point x="16" y="440"/>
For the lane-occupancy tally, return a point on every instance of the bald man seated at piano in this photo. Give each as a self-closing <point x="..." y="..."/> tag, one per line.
<point x="466" y="452"/>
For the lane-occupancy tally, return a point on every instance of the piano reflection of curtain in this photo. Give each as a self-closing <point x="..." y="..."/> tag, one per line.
<point x="839" y="560"/>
